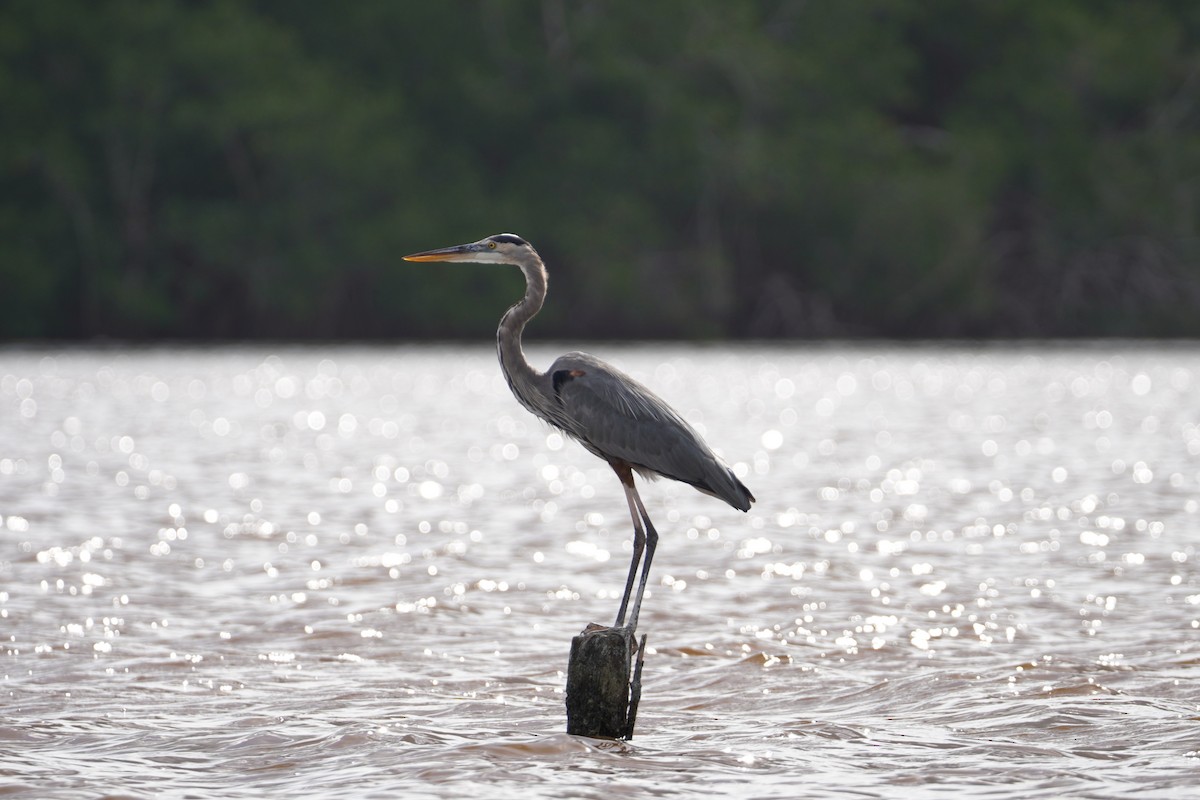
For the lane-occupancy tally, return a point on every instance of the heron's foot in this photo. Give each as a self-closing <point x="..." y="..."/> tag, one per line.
<point x="596" y="627"/>
<point x="630" y="631"/>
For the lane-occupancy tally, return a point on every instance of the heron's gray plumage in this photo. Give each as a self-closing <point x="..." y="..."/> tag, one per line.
<point x="608" y="412"/>
<point x="614" y="416"/>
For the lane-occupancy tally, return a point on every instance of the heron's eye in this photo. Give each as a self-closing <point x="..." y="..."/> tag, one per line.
<point x="491" y="245"/>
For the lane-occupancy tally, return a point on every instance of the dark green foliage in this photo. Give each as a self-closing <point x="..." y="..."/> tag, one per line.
<point x="687" y="167"/>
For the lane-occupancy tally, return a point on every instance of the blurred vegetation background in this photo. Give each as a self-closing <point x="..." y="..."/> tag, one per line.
<point x="688" y="168"/>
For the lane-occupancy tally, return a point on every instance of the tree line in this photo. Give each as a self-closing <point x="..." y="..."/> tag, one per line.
<point x="688" y="168"/>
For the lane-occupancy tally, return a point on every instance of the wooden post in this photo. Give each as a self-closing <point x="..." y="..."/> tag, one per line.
<point x="604" y="684"/>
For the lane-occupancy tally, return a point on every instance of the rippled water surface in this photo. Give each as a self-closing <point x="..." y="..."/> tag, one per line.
<point x="356" y="571"/>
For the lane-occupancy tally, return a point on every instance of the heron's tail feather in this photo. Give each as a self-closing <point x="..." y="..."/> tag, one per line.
<point x="724" y="485"/>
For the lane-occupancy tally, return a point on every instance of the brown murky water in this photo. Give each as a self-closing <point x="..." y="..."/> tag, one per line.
<point x="355" y="572"/>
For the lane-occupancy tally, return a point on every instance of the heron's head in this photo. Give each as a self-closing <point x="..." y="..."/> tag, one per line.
<point x="503" y="248"/>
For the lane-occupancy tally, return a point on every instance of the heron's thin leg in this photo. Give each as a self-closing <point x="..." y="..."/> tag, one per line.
<point x="651" y="543"/>
<point x="639" y="543"/>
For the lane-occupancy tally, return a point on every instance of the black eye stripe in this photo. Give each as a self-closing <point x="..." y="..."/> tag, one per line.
<point x="508" y="238"/>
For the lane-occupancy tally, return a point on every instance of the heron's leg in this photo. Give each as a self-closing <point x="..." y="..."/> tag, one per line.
<point x="639" y="543"/>
<point x="651" y="543"/>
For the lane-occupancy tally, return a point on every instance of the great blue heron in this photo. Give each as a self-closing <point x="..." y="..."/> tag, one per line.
<point x="608" y="412"/>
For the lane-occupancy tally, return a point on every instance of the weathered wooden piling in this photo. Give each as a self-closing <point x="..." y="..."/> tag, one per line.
<point x="604" y="683"/>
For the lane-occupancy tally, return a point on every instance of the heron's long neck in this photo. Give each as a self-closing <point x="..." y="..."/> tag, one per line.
<point x="522" y="377"/>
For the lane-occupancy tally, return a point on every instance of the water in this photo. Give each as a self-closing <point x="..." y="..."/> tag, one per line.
<point x="355" y="572"/>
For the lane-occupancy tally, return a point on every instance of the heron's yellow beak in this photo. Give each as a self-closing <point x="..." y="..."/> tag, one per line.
<point x="460" y="252"/>
<point x="429" y="257"/>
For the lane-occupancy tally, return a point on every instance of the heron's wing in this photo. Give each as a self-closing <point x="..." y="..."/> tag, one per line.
<point x="618" y="418"/>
